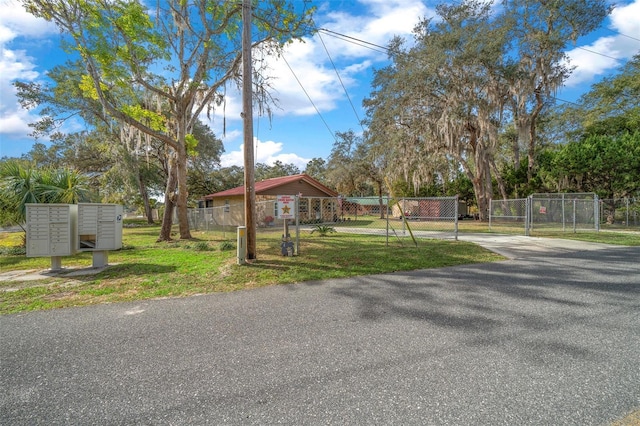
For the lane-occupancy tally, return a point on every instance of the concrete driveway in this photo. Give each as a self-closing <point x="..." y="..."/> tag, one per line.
<point x="549" y="337"/>
<point x="518" y="246"/>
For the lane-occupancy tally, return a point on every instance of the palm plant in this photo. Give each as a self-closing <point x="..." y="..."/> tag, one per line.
<point x="323" y="230"/>
<point x="21" y="184"/>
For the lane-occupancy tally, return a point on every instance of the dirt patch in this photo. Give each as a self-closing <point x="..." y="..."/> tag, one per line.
<point x="18" y="284"/>
<point x="632" y="419"/>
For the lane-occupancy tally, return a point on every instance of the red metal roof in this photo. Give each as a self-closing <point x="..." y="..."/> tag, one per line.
<point x="268" y="184"/>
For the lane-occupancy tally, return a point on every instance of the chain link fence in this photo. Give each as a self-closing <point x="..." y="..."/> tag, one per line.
<point x="567" y="212"/>
<point x="547" y="212"/>
<point x="620" y="212"/>
<point x="402" y="219"/>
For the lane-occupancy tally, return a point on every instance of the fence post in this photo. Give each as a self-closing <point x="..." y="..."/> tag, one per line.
<point x="626" y="203"/>
<point x="490" y="212"/>
<point x="456" y="216"/>
<point x="387" y="204"/>
<point x="527" y="216"/>
<point x="297" y="208"/>
<point x="574" y="214"/>
<point x="596" y="212"/>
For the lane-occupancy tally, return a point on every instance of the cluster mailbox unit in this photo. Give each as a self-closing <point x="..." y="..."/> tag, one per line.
<point x="58" y="230"/>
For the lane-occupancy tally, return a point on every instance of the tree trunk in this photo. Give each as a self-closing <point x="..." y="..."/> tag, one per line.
<point x="180" y="165"/>
<point x="501" y="185"/>
<point x="169" y="204"/>
<point x="480" y="176"/>
<point x="482" y="197"/>
<point x="533" y="119"/>
<point x="183" y="215"/>
<point x="142" y="187"/>
<point x="380" y="201"/>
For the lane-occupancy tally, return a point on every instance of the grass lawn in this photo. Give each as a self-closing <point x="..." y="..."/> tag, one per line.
<point x="144" y="269"/>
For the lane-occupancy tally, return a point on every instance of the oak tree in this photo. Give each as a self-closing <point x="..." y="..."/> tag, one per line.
<point x="157" y="70"/>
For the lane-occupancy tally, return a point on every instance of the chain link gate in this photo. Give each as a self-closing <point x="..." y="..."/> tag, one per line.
<point x="509" y="214"/>
<point x="552" y="212"/>
<point x="571" y="211"/>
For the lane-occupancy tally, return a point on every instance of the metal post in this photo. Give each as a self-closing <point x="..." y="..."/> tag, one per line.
<point x="387" y="204"/>
<point x="297" y="207"/>
<point x="490" y="211"/>
<point x="527" y="216"/>
<point x="626" y="203"/>
<point x="456" y="216"/>
<point x="563" y="221"/>
<point x="574" y="215"/>
<point x="596" y="212"/>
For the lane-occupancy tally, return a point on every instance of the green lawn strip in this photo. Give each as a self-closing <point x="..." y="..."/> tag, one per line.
<point x="145" y="269"/>
<point x="623" y="238"/>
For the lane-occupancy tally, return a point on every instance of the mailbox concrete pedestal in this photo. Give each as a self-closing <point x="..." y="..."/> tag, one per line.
<point x="100" y="259"/>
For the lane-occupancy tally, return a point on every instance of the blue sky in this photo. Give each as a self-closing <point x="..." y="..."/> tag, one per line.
<point x="296" y="133"/>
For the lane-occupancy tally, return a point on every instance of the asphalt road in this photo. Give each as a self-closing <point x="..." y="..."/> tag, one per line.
<point x="544" y="339"/>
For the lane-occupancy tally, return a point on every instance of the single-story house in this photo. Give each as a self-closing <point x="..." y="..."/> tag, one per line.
<point x="317" y="201"/>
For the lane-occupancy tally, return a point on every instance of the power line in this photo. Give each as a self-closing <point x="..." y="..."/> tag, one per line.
<point x="565" y="101"/>
<point x="355" y="40"/>
<point x="378" y="48"/>
<point x="309" y="97"/>
<point x="341" y="82"/>
<point x="597" y="53"/>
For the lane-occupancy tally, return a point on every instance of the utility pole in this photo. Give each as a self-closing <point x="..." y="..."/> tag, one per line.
<point x="247" y="106"/>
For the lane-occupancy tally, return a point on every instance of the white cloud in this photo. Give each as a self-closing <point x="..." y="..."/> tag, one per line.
<point x="14" y="123"/>
<point x="588" y="63"/>
<point x="267" y="152"/>
<point x="625" y="20"/>
<point x="6" y="34"/>
<point x="307" y="74"/>
<point x="383" y="20"/>
<point x="18" y="20"/>
<point x="306" y="69"/>
<point x="16" y="64"/>
<point x="309" y="64"/>
<point x="608" y="52"/>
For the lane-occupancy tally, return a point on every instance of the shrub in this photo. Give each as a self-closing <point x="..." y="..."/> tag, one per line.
<point x="226" y="245"/>
<point x="323" y="230"/>
<point x="201" y="246"/>
<point x="13" y="251"/>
